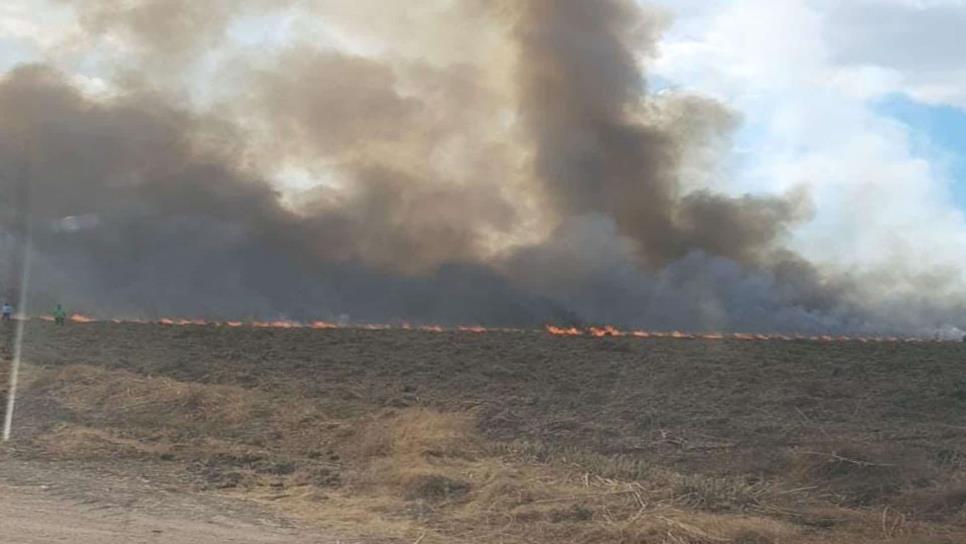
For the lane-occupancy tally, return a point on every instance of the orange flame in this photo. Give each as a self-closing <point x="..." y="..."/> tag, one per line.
<point x="596" y="332"/>
<point x="323" y="325"/>
<point x="279" y="324"/>
<point x="557" y="331"/>
<point x="81" y="318"/>
<point x="180" y="321"/>
<point x="606" y="330"/>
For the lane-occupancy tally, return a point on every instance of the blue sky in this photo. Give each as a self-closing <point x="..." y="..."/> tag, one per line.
<point x="940" y="136"/>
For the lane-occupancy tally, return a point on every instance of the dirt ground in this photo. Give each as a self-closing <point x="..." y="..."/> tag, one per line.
<point x="44" y="500"/>
<point x="52" y="512"/>
<point x="404" y="436"/>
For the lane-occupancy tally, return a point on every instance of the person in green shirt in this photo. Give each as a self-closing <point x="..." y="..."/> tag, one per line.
<point x="60" y="316"/>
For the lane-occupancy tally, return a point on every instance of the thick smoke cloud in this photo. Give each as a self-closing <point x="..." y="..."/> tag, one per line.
<point x="182" y="228"/>
<point x="419" y="187"/>
<point x="601" y="146"/>
<point x="503" y="165"/>
<point x="164" y="31"/>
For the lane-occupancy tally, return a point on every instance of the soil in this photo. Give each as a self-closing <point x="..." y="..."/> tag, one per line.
<point x="42" y="503"/>
<point x="677" y="399"/>
<point x="863" y="436"/>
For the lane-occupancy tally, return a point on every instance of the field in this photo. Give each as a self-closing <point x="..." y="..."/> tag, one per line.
<point x="517" y="437"/>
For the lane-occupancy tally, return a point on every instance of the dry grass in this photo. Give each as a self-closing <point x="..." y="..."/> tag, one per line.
<point x="417" y="433"/>
<point x="943" y="503"/>
<point x="615" y="467"/>
<point x="562" y="442"/>
<point x="187" y="412"/>
<point x="78" y="442"/>
<point x="419" y="472"/>
<point x="418" y="465"/>
<point x="153" y="402"/>
<point x="856" y="474"/>
<point x="415" y="454"/>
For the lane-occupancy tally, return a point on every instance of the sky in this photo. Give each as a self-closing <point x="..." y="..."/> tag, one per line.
<point x="867" y="114"/>
<point x="867" y="111"/>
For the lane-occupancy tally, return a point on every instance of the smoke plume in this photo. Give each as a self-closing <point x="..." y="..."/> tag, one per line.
<point x="499" y="163"/>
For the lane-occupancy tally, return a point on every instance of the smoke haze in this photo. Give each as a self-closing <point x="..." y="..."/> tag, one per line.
<point x="497" y="163"/>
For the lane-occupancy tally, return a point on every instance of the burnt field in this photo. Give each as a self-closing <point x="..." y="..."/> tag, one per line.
<point x="401" y="435"/>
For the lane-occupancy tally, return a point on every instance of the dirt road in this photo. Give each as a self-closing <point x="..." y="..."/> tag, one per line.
<point x="31" y="516"/>
<point x="44" y="503"/>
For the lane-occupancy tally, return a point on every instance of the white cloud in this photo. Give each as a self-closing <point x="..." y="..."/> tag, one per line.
<point x="20" y="21"/>
<point x="911" y="46"/>
<point x="41" y="31"/>
<point x="807" y="98"/>
<point x="920" y="39"/>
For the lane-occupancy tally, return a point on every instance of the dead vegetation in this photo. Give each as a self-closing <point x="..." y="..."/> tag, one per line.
<point x="517" y="438"/>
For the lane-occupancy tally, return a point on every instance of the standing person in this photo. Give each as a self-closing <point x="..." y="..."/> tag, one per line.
<point x="60" y="316"/>
<point x="7" y="311"/>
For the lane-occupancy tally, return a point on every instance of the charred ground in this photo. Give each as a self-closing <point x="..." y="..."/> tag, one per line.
<point x="521" y="436"/>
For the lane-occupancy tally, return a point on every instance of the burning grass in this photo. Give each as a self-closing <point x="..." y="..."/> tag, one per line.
<point x="600" y="331"/>
<point x="456" y="437"/>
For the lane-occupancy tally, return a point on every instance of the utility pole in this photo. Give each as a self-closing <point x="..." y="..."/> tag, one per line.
<point x="20" y="261"/>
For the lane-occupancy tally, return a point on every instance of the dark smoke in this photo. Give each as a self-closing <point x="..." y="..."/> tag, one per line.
<point x="519" y="176"/>
<point x="398" y="211"/>
<point x="183" y="230"/>
<point x="600" y="148"/>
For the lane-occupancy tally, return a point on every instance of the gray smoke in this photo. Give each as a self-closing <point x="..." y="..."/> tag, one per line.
<point x="183" y="229"/>
<point x="602" y="145"/>
<point x="506" y="167"/>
